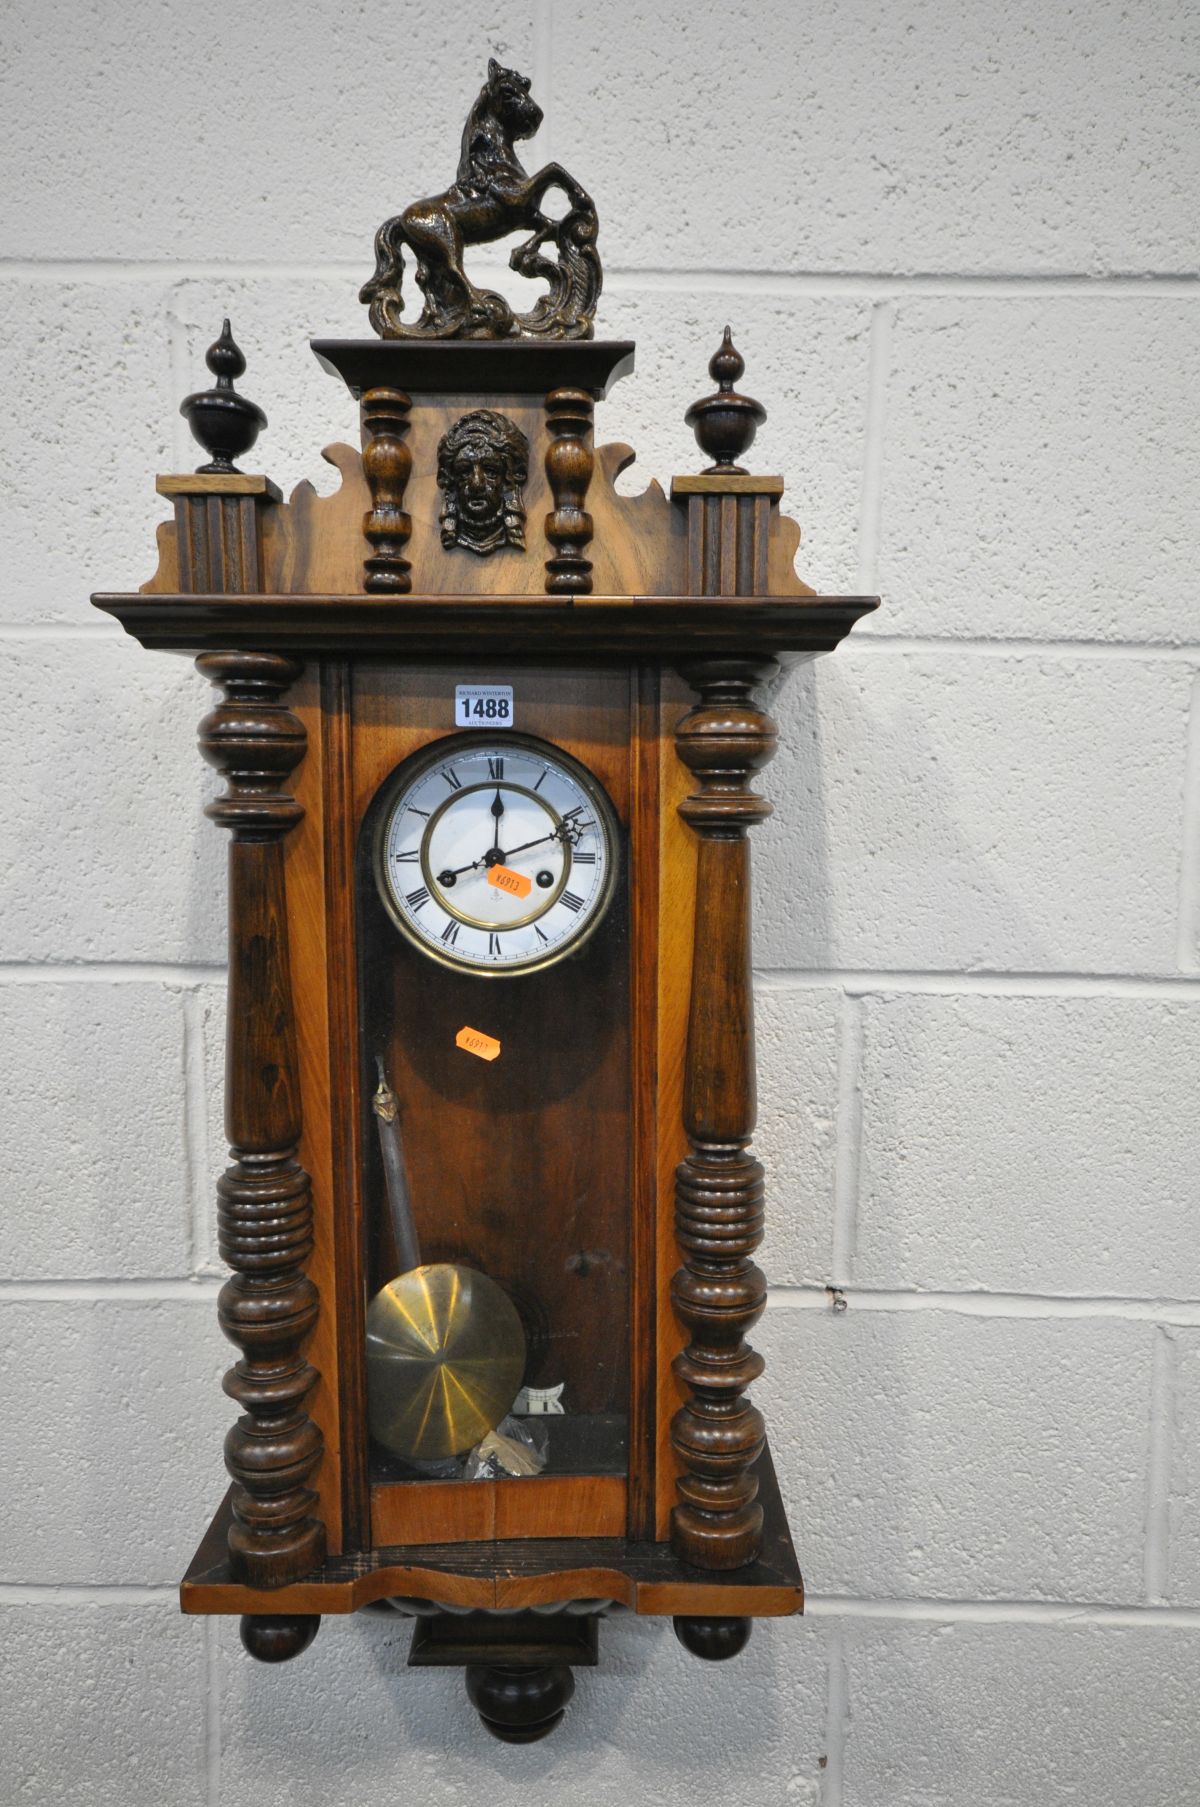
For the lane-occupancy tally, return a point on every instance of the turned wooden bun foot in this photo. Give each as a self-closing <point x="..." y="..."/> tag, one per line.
<point x="716" y="1640"/>
<point x="519" y="1705"/>
<point x="278" y="1637"/>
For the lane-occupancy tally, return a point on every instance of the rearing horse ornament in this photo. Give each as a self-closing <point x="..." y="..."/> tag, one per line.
<point x="491" y="197"/>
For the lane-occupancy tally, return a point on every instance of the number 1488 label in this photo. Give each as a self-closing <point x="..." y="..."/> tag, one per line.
<point x="483" y="705"/>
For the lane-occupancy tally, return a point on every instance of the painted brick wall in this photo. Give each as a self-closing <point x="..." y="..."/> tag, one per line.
<point x="957" y="245"/>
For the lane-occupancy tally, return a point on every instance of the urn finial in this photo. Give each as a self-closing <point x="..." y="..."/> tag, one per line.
<point x="725" y="423"/>
<point x="224" y="423"/>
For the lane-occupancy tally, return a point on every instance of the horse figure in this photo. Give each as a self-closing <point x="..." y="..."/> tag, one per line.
<point x="491" y="197"/>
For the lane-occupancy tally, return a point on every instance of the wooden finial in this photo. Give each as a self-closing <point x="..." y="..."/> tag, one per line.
<point x="725" y="423"/>
<point x="223" y="422"/>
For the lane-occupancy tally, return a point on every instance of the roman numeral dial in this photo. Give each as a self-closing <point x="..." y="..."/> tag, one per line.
<point x="495" y="858"/>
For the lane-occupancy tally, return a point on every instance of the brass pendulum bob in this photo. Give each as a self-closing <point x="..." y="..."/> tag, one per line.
<point x="445" y="1347"/>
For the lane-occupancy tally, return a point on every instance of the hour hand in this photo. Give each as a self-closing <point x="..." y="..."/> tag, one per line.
<point x="452" y="872"/>
<point x="495" y="853"/>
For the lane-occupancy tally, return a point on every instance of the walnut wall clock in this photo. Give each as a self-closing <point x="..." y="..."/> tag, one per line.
<point x="488" y="733"/>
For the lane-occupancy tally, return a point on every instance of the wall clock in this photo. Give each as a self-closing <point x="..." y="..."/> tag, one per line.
<point x="489" y="732"/>
<point x="496" y="856"/>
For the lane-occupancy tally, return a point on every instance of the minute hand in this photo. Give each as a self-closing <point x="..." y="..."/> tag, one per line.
<point x="565" y="831"/>
<point x="554" y="835"/>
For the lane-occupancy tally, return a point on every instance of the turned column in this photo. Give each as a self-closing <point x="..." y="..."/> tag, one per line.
<point x="569" y="464"/>
<point x="269" y="1306"/>
<point x="719" y="1292"/>
<point x="387" y="464"/>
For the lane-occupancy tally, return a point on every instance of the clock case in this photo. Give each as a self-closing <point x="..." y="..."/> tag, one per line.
<point x="634" y="630"/>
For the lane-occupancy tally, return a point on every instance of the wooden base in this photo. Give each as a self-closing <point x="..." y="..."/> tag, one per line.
<point x="505" y="1640"/>
<point x="519" y="1705"/>
<point x="278" y="1637"/>
<point x="503" y="1511"/>
<point x="714" y="1640"/>
<point x="646" y="1577"/>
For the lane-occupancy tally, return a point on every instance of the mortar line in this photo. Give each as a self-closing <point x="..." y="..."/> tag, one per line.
<point x="212" y="1710"/>
<point x="848" y="1140"/>
<point x="1184" y="1313"/>
<point x="543" y="75"/>
<point x="837" y="1716"/>
<point x="856" y="981"/>
<point x="870" y="519"/>
<point x="1019" y="646"/>
<point x="195" y="1131"/>
<point x="105" y="972"/>
<point x="865" y="982"/>
<point x="96" y="628"/>
<point x="919" y="1609"/>
<point x="1003" y="1612"/>
<point x="890" y="282"/>
<point x="1156" y="1551"/>
<point x="177" y="373"/>
<point x="86" y="1593"/>
<point x="1188" y="950"/>
<point x="682" y="279"/>
<point x="201" y="1289"/>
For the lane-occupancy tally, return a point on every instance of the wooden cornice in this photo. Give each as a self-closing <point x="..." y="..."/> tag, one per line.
<point x="669" y="628"/>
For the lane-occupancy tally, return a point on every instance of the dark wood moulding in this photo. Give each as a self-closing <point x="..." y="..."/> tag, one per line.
<point x="668" y="629"/>
<point x="646" y="1577"/>
<point x="477" y="366"/>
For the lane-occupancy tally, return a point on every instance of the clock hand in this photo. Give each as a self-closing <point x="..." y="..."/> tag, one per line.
<point x="495" y="853"/>
<point x="564" y="832"/>
<point x="493" y="856"/>
<point x="568" y="830"/>
<point x="525" y="844"/>
<point x="457" y="871"/>
<point x="554" y="835"/>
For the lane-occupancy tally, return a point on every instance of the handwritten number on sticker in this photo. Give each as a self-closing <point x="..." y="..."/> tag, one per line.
<point x="505" y="879"/>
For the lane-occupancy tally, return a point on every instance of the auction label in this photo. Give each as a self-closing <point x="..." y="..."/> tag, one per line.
<point x="505" y="879"/>
<point x="483" y="705"/>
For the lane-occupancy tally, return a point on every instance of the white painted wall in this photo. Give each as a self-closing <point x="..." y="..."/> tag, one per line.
<point x="957" y="244"/>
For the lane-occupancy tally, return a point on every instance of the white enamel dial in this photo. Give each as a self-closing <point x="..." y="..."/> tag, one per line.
<point x="496" y="855"/>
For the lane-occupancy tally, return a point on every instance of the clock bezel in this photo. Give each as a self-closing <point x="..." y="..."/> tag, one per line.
<point x="435" y="753"/>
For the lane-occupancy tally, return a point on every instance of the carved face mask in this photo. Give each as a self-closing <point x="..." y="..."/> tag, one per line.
<point x="483" y="462"/>
<point x="478" y="480"/>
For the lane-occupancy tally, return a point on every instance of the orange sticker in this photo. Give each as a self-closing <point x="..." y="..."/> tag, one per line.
<point x="505" y="879"/>
<point x="474" y="1041"/>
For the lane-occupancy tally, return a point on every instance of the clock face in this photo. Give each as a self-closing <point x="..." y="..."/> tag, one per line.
<point x="496" y="856"/>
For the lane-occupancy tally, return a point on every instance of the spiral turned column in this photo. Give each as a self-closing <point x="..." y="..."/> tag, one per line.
<point x="719" y="1293"/>
<point x="269" y="1306"/>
